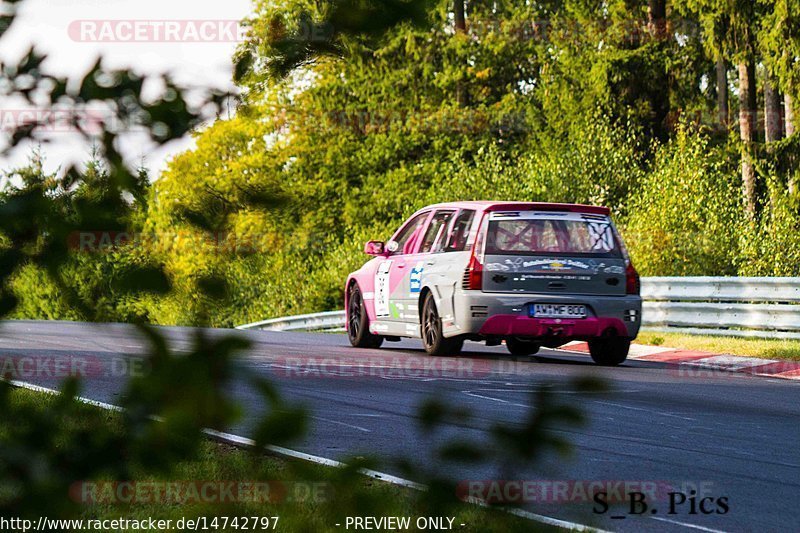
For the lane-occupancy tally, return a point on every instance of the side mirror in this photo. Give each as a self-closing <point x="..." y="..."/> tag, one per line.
<point x="374" y="248"/>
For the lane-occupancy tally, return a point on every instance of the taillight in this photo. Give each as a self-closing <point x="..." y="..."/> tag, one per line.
<point x="473" y="275"/>
<point x="632" y="285"/>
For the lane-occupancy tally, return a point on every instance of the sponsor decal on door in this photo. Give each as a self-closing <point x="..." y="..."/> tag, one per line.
<point x="382" y="289"/>
<point x="415" y="279"/>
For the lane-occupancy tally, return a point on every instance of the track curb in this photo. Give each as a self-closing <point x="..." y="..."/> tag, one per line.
<point x="697" y="361"/>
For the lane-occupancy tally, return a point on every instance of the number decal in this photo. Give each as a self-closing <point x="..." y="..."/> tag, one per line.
<point x="382" y="289"/>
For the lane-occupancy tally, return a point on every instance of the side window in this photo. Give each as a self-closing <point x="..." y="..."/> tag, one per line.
<point x="459" y="233"/>
<point x="408" y="234"/>
<point x="434" y="237"/>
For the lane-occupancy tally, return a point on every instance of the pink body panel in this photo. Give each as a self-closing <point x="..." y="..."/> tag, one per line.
<point x="365" y="278"/>
<point x="516" y="325"/>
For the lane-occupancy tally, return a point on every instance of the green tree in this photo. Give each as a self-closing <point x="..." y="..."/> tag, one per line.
<point x="731" y="30"/>
<point x="211" y="205"/>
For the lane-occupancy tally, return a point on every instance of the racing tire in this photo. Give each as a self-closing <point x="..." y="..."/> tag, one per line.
<point x="357" y="321"/>
<point x="517" y="346"/>
<point x="431" y="329"/>
<point x="609" y="351"/>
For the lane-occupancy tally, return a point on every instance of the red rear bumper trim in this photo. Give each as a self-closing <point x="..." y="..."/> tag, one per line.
<point x="522" y="326"/>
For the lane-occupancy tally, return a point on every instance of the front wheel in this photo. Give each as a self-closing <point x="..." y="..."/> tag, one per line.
<point x="357" y="322"/>
<point x="432" y="337"/>
<point x="609" y="351"/>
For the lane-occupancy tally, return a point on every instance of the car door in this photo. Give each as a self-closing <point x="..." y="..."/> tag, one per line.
<point x="422" y="260"/>
<point x="445" y="262"/>
<point x="392" y="272"/>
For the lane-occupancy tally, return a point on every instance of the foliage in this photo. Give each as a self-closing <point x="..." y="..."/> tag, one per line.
<point x="686" y="218"/>
<point x="166" y="409"/>
<point x="220" y="214"/>
<point x="350" y="127"/>
<point x="780" y="42"/>
<point x="730" y="27"/>
<point x="352" y="117"/>
<point x="771" y="246"/>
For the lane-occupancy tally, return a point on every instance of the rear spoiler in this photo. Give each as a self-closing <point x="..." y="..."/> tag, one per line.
<point x="544" y="206"/>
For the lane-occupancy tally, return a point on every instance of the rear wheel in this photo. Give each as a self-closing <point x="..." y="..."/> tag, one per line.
<point x="432" y="337"/>
<point x="609" y="351"/>
<point x="517" y="346"/>
<point x="357" y="321"/>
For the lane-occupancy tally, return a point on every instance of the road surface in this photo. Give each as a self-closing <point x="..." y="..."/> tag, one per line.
<point x="723" y="435"/>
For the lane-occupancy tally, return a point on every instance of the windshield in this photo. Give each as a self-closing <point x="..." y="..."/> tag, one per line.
<point x="568" y="234"/>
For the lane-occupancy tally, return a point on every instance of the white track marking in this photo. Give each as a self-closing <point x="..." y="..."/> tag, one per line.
<point x="45" y="390"/>
<point x="472" y="393"/>
<point x="621" y="406"/>
<point x="685" y="524"/>
<point x="540" y="518"/>
<point x="351" y="426"/>
<point x="481" y="397"/>
<point x="556" y="391"/>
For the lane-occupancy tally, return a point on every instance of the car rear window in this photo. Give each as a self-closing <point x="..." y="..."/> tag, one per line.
<point x="548" y="234"/>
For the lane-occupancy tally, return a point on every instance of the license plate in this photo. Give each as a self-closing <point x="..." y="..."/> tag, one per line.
<point x="558" y="311"/>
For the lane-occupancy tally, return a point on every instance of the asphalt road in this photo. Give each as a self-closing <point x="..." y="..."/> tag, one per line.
<point x="723" y="435"/>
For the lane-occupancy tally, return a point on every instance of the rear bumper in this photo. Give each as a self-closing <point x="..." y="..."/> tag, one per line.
<point x="521" y="326"/>
<point x="498" y="314"/>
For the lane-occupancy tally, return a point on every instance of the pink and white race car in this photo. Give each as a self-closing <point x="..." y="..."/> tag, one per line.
<point x="529" y="274"/>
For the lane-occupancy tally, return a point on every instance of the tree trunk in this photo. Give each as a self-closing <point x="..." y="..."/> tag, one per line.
<point x="747" y="129"/>
<point x="459" y="16"/>
<point x="788" y="120"/>
<point x="773" y="131"/>
<point x="657" y="18"/>
<point x="722" y="93"/>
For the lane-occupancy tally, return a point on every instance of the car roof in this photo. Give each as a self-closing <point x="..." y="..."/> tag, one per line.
<point x="492" y="205"/>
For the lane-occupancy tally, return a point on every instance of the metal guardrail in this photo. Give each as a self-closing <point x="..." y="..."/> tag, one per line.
<point x="326" y="321"/>
<point x="722" y="289"/>
<point x="741" y="307"/>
